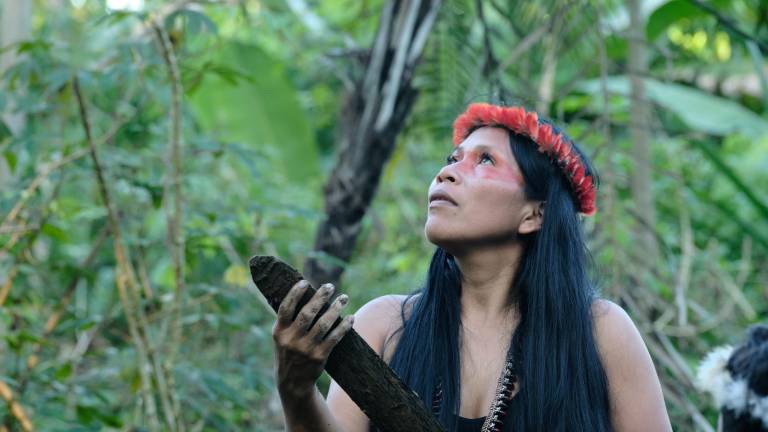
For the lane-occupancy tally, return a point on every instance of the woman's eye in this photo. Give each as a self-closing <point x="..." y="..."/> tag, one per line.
<point x="486" y="156"/>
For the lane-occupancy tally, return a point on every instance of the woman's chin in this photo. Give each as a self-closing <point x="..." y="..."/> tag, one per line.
<point x="439" y="237"/>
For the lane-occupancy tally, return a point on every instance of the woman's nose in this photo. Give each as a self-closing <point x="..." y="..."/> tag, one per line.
<point x="447" y="173"/>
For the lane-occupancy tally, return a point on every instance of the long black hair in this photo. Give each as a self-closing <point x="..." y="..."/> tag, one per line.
<point x="562" y="381"/>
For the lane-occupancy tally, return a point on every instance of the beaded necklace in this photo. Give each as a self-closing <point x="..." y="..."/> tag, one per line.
<point x="498" y="409"/>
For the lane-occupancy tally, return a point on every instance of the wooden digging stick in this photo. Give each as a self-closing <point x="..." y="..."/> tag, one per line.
<point x="374" y="387"/>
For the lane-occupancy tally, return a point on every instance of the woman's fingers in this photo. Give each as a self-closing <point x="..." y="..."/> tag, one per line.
<point x="287" y="307"/>
<point x="300" y="348"/>
<point x="309" y="311"/>
<point x="324" y="324"/>
<point x="336" y="334"/>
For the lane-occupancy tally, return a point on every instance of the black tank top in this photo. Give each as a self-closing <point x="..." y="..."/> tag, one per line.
<point x="470" y="425"/>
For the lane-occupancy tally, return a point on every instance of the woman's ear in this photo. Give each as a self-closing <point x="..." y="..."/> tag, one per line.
<point x="534" y="216"/>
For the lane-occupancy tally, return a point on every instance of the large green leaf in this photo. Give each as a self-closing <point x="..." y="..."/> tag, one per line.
<point x="669" y="13"/>
<point x="260" y="110"/>
<point x="699" y="110"/>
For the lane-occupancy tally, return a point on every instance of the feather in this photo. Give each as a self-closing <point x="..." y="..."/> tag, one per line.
<point x="712" y="376"/>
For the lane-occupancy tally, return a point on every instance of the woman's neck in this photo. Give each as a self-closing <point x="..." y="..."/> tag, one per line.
<point x="486" y="288"/>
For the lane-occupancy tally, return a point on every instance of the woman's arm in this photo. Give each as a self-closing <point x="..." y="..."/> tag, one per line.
<point x="301" y="351"/>
<point x="308" y="412"/>
<point x="637" y="403"/>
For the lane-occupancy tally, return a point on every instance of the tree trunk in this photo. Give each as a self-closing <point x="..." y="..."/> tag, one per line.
<point x="370" y="122"/>
<point x="639" y="125"/>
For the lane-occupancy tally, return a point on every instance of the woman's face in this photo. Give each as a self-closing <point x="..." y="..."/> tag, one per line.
<point x="485" y="184"/>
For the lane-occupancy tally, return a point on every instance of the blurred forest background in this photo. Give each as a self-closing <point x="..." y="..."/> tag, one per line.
<point x="149" y="148"/>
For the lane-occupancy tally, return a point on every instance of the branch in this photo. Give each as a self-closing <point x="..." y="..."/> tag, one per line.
<point x="172" y="184"/>
<point x="730" y="287"/>
<point x="125" y="279"/>
<point x="8" y="283"/>
<point x="683" y="402"/>
<point x="533" y="37"/>
<point x="686" y="261"/>
<point x="15" y="407"/>
<point x="175" y="234"/>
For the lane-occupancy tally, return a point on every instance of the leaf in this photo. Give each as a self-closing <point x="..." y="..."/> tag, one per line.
<point x="759" y="63"/>
<point x="87" y="414"/>
<point x="5" y="131"/>
<point x="117" y="16"/>
<point x="236" y="275"/>
<point x="261" y="110"/>
<point x="63" y="372"/>
<point x="698" y="109"/>
<point x="10" y="158"/>
<point x="668" y="14"/>
<point x="731" y="175"/>
<point x="54" y="232"/>
<point x="90" y="214"/>
<point x="192" y="21"/>
<point x="34" y="46"/>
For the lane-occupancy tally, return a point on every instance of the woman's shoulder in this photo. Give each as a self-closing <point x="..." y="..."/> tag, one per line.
<point x="379" y="319"/>
<point x="610" y="319"/>
<point x="636" y="397"/>
<point x="614" y="329"/>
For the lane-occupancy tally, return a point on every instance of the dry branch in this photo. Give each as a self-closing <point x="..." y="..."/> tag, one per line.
<point x="16" y="409"/>
<point x="374" y="387"/>
<point x="686" y="261"/>
<point x="172" y="187"/>
<point x="172" y="184"/>
<point x="8" y="283"/>
<point x="125" y="278"/>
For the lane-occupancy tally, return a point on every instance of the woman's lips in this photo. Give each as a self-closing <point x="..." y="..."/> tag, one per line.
<point x="441" y="202"/>
<point x="441" y="195"/>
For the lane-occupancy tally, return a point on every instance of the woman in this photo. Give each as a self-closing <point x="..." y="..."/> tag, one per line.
<point x="506" y="333"/>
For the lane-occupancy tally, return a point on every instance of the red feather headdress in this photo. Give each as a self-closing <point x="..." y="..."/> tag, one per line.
<point x="556" y="145"/>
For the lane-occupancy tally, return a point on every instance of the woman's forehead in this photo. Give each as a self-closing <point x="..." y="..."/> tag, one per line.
<point x="485" y="139"/>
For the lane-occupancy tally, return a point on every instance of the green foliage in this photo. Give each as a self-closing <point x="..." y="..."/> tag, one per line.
<point x="699" y="110"/>
<point x="669" y="13"/>
<point x="262" y="94"/>
<point x="250" y="101"/>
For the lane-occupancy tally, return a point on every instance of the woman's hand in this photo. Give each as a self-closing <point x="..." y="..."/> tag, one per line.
<point x="301" y="348"/>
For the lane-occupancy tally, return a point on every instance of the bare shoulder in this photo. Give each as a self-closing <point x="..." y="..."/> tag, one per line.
<point x="637" y="402"/>
<point x="611" y="321"/>
<point x="380" y="318"/>
<point x="618" y="339"/>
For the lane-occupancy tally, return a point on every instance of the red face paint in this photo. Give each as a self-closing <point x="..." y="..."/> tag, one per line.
<point x="485" y="160"/>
